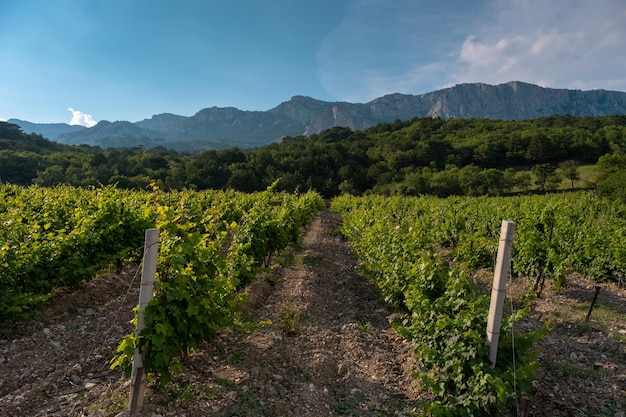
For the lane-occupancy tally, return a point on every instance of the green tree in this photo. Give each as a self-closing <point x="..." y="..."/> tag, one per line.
<point x="418" y="182"/>
<point x="612" y="176"/>
<point x="470" y="180"/>
<point x="19" y="167"/>
<point x="51" y="176"/>
<point x="569" y="169"/>
<point x="542" y="172"/>
<point x="243" y="179"/>
<point x="553" y="181"/>
<point x="493" y="180"/>
<point x="445" y="183"/>
<point x="508" y="179"/>
<point x="523" y="180"/>
<point x="539" y="146"/>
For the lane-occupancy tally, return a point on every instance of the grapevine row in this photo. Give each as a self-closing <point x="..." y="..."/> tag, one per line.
<point x="210" y="248"/>
<point x="61" y="236"/>
<point x="423" y="253"/>
<point x="211" y="245"/>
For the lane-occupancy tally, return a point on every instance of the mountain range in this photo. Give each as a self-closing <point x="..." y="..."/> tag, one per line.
<point x="228" y="127"/>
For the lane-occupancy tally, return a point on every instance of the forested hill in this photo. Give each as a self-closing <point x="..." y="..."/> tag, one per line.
<point x="12" y="138"/>
<point x="419" y="156"/>
<point x="223" y="128"/>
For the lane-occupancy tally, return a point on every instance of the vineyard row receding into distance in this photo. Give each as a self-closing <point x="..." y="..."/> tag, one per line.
<point x="422" y="252"/>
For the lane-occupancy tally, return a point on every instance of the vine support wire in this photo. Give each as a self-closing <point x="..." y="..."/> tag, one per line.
<point x="513" y="359"/>
<point x="146" y="293"/>
<point x="498" y="290"/>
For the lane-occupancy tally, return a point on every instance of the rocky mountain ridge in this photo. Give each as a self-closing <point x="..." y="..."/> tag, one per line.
<point x="222" y="128"/>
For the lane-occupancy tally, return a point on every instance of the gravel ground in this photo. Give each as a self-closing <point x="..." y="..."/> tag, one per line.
<point x="326" y="349"/>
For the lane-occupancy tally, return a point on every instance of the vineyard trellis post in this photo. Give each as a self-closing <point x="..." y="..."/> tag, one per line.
<point x="498" y="289"/>
<point x="146" y="293"/>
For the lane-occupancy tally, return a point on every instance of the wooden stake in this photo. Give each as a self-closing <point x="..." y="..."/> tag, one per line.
<point x="593" y="303"/>
<point x="146" y="293"/>
<point x="499" y="288"/>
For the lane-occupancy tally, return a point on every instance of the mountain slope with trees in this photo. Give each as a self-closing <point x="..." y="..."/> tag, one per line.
<point x="48" y="130"/>
<point x="418" y="156"/>
<point x="224" y="128"/>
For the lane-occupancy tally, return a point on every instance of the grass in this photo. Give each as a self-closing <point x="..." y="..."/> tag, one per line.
<point x="603" y="318"/>
<point x="572" y="371"/>
<point x="360" y="403"/>
<point x="587" y="178"/>
<point x="290" y="320"/>
<point x="186" y="392"/>
<point x="309" y="260"/>
<point x="287" y="257"/>
<point x="248" y="404"/>
<point x="609" y="319"/>
<point x="236" y="357"/>
<point x="114" y="403"/>
<point x="364" y="328"/>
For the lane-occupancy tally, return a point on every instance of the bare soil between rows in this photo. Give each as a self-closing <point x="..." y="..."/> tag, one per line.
<point x="326" y="349"/>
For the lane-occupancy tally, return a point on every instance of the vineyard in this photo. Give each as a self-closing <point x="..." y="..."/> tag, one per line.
<point x="210" y="247"/>
<point x="58" y="237"/>
<point x="429" y="257"/>
<point x="423" y="254"/>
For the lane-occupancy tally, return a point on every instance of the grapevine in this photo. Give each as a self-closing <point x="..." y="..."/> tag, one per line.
<point x="208" y="253"/>
<point x="422" y="253"/>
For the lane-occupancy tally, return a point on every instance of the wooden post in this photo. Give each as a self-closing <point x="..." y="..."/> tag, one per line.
<point x="146" y="292"/>
<point x="593" y="303"/>
<point x="499" y="288"/>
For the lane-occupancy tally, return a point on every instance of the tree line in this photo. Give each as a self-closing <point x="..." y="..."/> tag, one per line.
<point x="418" y="156"/>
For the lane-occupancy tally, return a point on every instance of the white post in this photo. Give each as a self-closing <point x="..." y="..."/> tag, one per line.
<point x="498" y="289"/>
<point x="146" y="292"/>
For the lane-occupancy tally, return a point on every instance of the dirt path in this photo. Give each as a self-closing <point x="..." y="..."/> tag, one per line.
<point x="328" y="351"/>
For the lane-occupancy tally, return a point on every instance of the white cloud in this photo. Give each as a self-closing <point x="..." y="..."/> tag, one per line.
<point x="408" y="46"/>
<point x="82" y="119"/>
<point x="577" y="44"/>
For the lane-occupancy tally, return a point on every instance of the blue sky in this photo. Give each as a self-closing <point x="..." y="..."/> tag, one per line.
<point x="82" y="61"/>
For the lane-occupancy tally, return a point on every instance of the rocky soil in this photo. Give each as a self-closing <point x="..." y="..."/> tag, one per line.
<point x="326" y="349"/>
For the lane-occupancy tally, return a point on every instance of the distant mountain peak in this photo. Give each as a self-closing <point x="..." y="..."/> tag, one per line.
<point x="305" y="99"/>
<point x="226" y="127"/>
<point x="49" y="130"/>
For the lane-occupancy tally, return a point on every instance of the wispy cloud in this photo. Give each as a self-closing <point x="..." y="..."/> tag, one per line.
<point x="384" y="47"/>
<point x="82" y="119"/>
<point x="408" y="46"/>
<point x="576" y="44"/>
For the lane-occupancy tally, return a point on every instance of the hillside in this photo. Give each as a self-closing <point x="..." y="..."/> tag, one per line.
<point x="419" y="156"/>
<point x="224" y="128"/>
<point x="48" y="130"/>
<point x="12" y="138"/>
